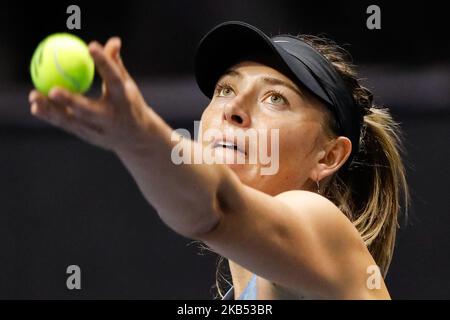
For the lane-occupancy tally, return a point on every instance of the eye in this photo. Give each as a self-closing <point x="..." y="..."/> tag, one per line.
<point x="224" y="90"/>
<point x="276" y="98"/>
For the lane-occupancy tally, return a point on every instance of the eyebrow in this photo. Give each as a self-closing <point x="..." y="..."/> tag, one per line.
<point x="276" y="81"/>
<point x="232" y="73"/>
<point x="267" y="80"/>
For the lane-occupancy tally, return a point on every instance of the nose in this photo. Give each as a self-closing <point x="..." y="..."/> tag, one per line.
<point x="235" y="114"/>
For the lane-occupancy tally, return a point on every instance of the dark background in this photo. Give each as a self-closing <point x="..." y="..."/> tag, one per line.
<point x="65" y="202"/>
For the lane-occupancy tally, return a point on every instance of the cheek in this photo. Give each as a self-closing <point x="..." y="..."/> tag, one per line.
<point x="296" y="145"/>
<point x="210" y="117"/>
<point x="207" y="118"/>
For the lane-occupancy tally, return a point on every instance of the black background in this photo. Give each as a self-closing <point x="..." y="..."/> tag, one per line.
<point x="65" y="202"/>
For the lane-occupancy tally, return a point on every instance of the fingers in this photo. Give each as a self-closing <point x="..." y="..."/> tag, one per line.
<point x="82" y="107"/>
<point x="112" y="48"/>
<point x="67" y="111"/>
<point x="107" y="68"/>
<point x="45" y="109"/>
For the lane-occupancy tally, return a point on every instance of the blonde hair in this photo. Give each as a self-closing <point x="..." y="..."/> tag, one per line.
<point x="373" y="190"/>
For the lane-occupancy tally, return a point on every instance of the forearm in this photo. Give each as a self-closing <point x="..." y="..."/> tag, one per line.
<point x="183" y="195"/>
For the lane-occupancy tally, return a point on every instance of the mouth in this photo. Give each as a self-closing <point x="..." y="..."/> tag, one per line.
<point x="228" y="144"/>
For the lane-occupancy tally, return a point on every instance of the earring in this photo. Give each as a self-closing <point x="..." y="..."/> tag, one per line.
<point x="318" y="186"/>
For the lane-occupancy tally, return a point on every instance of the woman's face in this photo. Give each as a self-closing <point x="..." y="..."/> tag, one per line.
<point x="254" y="97"/>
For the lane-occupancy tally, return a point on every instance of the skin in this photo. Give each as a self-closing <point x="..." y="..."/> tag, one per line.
<point x="298" y="243"/>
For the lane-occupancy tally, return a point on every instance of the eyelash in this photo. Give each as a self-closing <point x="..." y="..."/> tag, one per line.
<point x="221" y="86"/>
<point x="279" y="94"/>
<point x="226" y="85"/>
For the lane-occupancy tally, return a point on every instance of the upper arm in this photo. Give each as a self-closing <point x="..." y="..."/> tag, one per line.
<point x="297" y="239"/>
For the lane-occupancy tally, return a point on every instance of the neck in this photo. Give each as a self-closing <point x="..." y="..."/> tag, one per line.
<point x="240" y="277"/>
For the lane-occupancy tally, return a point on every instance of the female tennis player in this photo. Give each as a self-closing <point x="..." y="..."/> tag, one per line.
<point x="323" y="225"/>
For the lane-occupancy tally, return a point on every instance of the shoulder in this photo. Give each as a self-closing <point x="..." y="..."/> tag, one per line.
<point x="321" y="213"/>
<point x="311" y="200"/>
<point x="339" y="242"/>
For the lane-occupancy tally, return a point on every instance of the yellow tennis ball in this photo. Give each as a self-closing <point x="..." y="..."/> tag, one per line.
<point x="62" y="60"/>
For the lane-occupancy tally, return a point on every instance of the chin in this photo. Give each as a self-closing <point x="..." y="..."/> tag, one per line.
<point x="249" y="175"/>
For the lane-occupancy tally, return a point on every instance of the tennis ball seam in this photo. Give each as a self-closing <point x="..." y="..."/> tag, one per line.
<point x="63" y="73"/>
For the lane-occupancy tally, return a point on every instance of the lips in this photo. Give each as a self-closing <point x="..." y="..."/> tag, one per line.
<point x="229" y="142"/>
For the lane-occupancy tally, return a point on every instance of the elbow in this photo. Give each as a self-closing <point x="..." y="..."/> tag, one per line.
<point x="205" y="229"/>
<point x="192" y="222"/>
<point x="227" y="199"/>
<point x="213" y="215"/>
<point x="218" y="203"/>
<point x="208" y="220"/>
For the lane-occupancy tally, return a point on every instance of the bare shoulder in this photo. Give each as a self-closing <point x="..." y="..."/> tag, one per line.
<point x="297" y="239"/>
<point x="339" y="240"/>
<point x="310" y="200"/>
<point x="323" y="214"/>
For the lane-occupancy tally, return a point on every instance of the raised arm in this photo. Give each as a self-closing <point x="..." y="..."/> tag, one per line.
<point x="122" y="122"/>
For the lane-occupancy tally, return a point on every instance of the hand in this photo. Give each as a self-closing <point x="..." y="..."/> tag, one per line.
<point x="116" y="119"/>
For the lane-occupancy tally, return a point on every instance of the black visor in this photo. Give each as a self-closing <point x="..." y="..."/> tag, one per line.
<point x="232" y="42"/>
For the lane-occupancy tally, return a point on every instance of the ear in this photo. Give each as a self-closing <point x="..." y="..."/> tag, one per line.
<point x="331" y="158"/>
